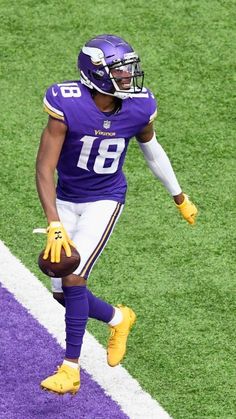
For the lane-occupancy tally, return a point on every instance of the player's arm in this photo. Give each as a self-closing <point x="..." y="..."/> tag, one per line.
<point x="51" y="143"/>
<point x="161" y="167"/>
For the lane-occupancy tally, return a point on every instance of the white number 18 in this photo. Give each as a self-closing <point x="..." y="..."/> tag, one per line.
<point x="103" y="154"/>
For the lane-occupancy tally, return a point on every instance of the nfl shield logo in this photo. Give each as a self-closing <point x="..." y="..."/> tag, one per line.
<point x="106" y="124"/>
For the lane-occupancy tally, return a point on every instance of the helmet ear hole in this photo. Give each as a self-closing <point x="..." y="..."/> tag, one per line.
<point x="96" y="75"/>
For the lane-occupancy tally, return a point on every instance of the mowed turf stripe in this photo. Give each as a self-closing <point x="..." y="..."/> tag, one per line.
<point x="116" y="382"/>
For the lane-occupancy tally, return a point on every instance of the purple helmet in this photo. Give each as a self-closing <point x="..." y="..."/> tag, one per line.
<point x="109" y="64"/>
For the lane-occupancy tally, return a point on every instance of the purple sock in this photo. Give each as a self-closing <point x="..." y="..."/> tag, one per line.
<point x="77" y="309"/>
<point x="99" y="309"/>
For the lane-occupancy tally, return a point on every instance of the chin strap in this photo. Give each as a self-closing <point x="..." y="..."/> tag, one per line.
<point x="122" y="96"/>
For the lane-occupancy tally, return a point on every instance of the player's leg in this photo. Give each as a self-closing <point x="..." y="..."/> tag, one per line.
<point x="90" y="239"/>
<point x="73" y="290"/>
<point x="90" y="231"/>
<point x="120" y="320"/>
<point x="97" y="307"/>
<point x="67" y="378"/>
<point x="95" y="227"/>
<point x="96" y="223"/>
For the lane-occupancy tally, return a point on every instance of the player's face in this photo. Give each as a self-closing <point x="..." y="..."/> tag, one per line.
<point x="123" y="76"/>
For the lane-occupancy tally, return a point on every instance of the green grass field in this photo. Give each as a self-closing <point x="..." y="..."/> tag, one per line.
<point x="180" y="280"/>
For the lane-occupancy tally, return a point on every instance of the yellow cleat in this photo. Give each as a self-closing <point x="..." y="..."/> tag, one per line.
<point x="118" y="337"/>
<point x="66" y="380"/>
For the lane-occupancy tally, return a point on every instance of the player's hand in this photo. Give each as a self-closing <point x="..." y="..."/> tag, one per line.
<point x="57" y="238"/>
<point x="188" y="210"/>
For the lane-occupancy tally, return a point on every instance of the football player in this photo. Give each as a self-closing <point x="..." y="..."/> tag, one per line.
<point x="90" y="125"/>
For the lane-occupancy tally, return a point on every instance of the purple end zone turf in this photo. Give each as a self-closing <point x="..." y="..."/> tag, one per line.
<point x="28" y="354"/>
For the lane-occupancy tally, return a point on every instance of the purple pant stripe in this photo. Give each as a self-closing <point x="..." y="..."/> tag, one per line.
<point x="28" y="354"/>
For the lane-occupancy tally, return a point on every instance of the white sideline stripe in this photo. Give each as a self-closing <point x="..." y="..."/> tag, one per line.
<point x="116" y="382"/>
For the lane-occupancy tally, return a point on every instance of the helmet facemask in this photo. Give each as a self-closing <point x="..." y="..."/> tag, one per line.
<point x="126" y="76"/>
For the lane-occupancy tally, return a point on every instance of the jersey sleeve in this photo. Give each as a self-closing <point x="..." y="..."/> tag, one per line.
<point x="152" y="106"/>
<point x="53" y="104"/>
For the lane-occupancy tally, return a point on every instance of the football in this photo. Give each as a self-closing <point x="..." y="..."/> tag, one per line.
<point x="66" y="266"/>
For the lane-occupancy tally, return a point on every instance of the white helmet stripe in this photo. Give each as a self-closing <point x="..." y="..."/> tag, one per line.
<point x="96" y="54"/>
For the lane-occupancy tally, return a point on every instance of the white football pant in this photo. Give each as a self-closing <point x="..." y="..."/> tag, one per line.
<point x="89" y="225"/>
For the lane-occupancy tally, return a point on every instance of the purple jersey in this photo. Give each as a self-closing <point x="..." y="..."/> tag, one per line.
<point x="91" y="160"/>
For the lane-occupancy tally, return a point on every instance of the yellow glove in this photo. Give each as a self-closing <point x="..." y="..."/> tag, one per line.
<point x="188" y="210"/>
<point x="57" y="238"/>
